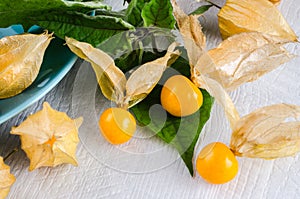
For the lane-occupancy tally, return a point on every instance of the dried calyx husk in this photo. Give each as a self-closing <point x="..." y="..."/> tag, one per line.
<point x="21" y="57"/>
<point x="200" y="62"/>
<point x="112" y="81"/>
<point x="49" y="137"/>
<point x="238" y="16"/>
<point x="245" y="57"/>
<point x="6" y="179"/>
<point x="269" y="132"/>
<point x="241" y="58"/>
<point x="191" y="32"/>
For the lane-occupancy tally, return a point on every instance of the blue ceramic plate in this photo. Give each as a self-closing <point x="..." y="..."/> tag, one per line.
<point x="58" y="60"/>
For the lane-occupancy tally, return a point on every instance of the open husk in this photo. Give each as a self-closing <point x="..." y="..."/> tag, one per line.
<point x="191" y="32"/>
<point x="200" y="61"/>
<point x="49" y="137"/>
<point x="241" y="58"/>
<point x="112" y="81"/>
<point x="110" y="78"/>
<point x="21" y="57"/>
<point x="144" y="79"/>
<point x="269" y="132"/>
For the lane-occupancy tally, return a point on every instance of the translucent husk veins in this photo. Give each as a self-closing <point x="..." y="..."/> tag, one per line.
<point x="113" y="83"/>
<point x="49" y="137"/>
<point x="21" y="57"/>
<point x="6" y="179"/>
<point x="238" y="16"/>
<point x="243" y="57"/>
<point x="269" y="132"/>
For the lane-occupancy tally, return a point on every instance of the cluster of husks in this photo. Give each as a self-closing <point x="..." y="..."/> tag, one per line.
<point x="255" y="33"/>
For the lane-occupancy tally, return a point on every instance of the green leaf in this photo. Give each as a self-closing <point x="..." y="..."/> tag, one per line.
<point x="119" y="14"/>
<point x="85" y="0"/>
<point x="134" y="11"/>
<point x="82" y="27"/>
<point x="181" y="133"/>
<point x="158" y="13"/>
<point x="201" y="10"/>
<point x="18" y="11"/>
<point x="64" y="18"/>
<point x="128" y="48"/>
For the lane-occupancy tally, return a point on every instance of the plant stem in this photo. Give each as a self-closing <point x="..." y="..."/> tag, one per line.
<point x="11" y="153"/>
<point x="217" y="6"/>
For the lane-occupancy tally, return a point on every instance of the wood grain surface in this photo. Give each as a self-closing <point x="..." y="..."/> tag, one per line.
<point x="95" y="179"/>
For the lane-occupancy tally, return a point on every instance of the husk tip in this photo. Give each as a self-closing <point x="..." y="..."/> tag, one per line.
<point x="78" y="121"/>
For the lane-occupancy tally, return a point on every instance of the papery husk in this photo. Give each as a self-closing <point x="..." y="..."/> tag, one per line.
<point x="263" y="133"/>
<point x="49" y="138"/>
<point x="191" y="31"/>
<point x="216" y="90"/>
<point x="21" y="57"/>
<point x="110" y="78"/>
<point x="238" y="16"/>
<point x="245" y="57"/>
<point x="269" y="132"/>
<point x="201" y="63"/>
<point x="6" y="179"/>
<point x="200" y="78"/>
<point x="144" y="79"/>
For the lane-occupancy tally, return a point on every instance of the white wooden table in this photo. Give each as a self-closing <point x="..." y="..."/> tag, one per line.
<point x="102" y="174"/>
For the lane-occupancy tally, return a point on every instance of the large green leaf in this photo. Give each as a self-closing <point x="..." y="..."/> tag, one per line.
<point x="82" y="27"/>
<point x="118" y="14"/>
<point x="158" y="13"/>
<point x="65" y="18"/>
<point x="134" y="11"/>
<point x="19" y="11"/>
<point x="181" y="133"/>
